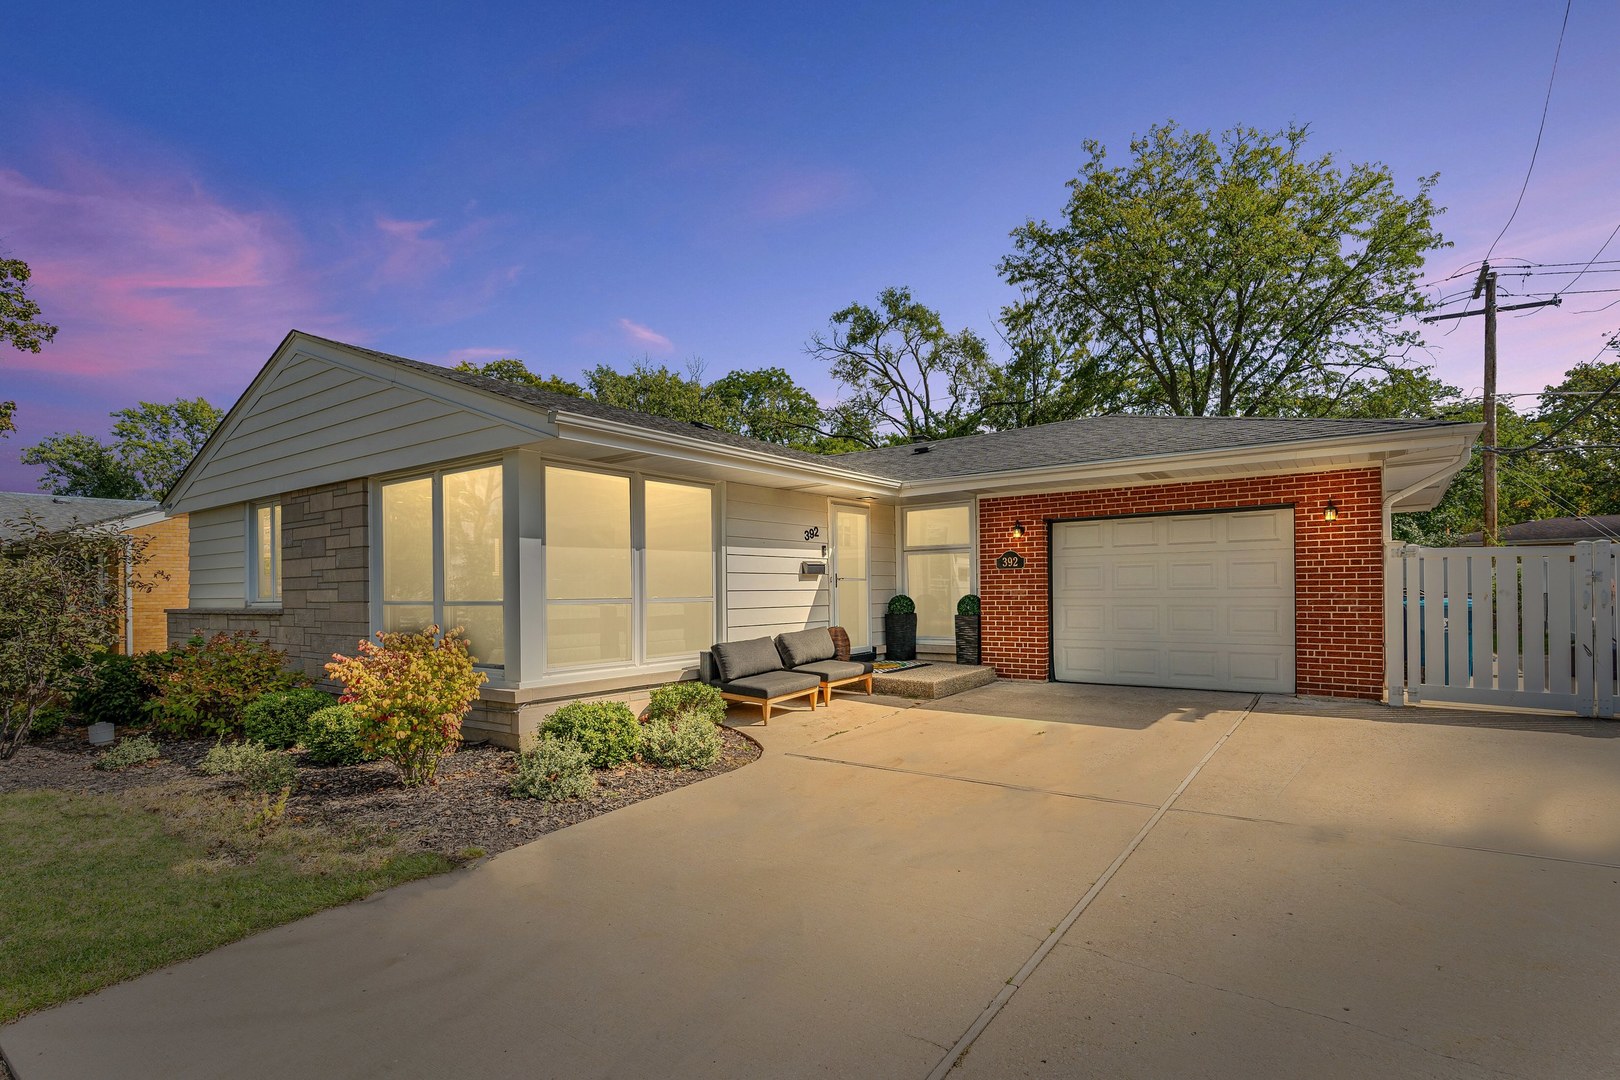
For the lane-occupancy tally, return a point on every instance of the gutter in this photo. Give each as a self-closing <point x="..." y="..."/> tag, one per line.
<point x="1391" y="499"/>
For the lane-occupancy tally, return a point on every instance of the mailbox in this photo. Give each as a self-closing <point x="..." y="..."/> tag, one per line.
<point x="809" y="569"/>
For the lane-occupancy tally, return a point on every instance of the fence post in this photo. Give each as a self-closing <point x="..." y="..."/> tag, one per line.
<point x="1606" y="640"/>
<point x="1394" y="625"/>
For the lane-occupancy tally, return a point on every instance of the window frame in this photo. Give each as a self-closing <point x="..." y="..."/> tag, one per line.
<point x="252" y="595"/>
<point x="438" y="602"/>
<point x="639" y="601"/>
<point x="970" y="549"/>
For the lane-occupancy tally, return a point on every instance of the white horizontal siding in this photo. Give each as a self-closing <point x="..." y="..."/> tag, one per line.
<point x="764" y="545"/>
<point x="219" y="557"/>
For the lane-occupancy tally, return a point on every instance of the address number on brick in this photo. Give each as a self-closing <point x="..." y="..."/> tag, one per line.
<point x="1009" y="560"/>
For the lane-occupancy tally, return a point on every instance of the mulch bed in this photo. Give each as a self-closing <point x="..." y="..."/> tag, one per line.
<point x="467" y="808"/>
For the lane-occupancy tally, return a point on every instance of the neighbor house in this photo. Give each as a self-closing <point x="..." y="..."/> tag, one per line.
<point x="588" y="549"/>
<point x="162" y="574"/>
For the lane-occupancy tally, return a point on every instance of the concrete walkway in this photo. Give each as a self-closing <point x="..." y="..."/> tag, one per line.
<point x="1332" y="894"/>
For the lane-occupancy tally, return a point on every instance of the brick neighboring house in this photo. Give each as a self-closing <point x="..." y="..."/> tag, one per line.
<point x="589" y="549"/>
<point x="144" y="627"/>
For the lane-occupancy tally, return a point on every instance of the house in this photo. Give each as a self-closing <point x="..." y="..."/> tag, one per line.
<point x="1564" y="530"/>
<point x="144" y="626"/>
<point x="587" y="549"/>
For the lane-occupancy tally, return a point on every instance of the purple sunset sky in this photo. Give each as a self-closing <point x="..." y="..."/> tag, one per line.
<point x="577" y="185"/>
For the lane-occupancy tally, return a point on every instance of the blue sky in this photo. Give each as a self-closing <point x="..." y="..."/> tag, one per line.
<point x="574" y="184"/>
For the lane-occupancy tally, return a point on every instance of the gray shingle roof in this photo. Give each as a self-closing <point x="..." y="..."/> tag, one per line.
<point x="1070" y="442"/>
<point x="1555" y="530"/>
<point x="57" y="512"/>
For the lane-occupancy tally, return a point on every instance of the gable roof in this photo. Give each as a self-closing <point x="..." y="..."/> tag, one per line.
<point x="58" y="512"/>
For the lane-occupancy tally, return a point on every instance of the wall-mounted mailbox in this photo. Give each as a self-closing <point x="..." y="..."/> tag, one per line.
<point x="812" y="568"/>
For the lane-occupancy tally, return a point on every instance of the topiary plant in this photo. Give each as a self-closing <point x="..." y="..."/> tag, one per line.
<point x="968" y="605"/>
<point x="677" y="699"/>
<point x="901" y="604"/>
<point x="332" y="737"/>
<point x="277" y="720"/>
<point x="606" y="730"/>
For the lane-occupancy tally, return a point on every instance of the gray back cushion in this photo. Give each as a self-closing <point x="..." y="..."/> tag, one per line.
<point x="740" y="659"/>
<point x="805" y="647"/>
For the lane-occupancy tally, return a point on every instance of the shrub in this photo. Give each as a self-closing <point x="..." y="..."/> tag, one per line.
<point x="690" y="741"/>
<point x="605" y="730"/>
<point x="552" y="769"/>
<point x="210" y="683"/>
<point x="968" y="605"/>
<point x="278" y="719"/>
<point x="410" y="692"/>
<point x="670" y="702"/>
<point x="258" y="767"/>
<point x="901" y="604"/>
<point x="332" y="737"/>
<point x="133" y="750"/>
<point x="113" y="689"/>
<point x="48" y="721"/>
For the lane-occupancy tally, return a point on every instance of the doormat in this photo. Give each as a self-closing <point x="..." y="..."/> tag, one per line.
<point x="883" y="667"/>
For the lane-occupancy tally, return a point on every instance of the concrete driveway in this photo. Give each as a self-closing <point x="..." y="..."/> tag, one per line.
<point x="1024" y="880"/>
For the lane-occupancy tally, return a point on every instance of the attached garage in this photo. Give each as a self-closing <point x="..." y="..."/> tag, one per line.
<point x="1202" y="601"/>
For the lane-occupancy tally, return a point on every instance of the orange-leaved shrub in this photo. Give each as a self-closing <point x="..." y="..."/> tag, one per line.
<point x="410" y="693"/>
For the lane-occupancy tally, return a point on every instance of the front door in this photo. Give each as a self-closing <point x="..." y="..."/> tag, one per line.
<point x="851" y="555"/>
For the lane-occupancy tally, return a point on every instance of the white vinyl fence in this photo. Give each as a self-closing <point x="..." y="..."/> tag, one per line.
<point x="1519" y="627"/>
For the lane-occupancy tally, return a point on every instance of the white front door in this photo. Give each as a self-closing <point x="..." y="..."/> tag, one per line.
<point x="851" y="558"/>
<point x="1204" y="601"/>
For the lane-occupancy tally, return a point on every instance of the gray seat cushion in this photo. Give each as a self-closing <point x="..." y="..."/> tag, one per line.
<point x="834" y="670"/>
<point x="805" y="647"/>
<point x="740" y="659"/>
<point x="771" y="684"/>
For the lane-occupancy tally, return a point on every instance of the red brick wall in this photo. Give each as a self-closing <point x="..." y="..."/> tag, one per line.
<point x="1338" y="569"/>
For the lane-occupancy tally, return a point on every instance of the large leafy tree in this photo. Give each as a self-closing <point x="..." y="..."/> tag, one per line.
<point x="151" y="445"/>
<point x="767" y="404"/>
<point x="20" y="323"/>
<point x="1229" y="276"/>
<point x="904" y="375"/>
<point x="512" y="370"/>
<point x="656" y="390"/>
<point x="1581" y="418"/>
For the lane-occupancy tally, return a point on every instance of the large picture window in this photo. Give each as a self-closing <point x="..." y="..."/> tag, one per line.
<point x="938" y="565"/>
<point x="604" y="605"/>
<point x="443" y="556"/>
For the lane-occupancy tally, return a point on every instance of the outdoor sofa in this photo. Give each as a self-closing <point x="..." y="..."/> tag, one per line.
<point x="767" y="671"/>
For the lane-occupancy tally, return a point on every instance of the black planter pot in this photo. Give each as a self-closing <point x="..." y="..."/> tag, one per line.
<point x="900" y="635"/>
<point x="967" y="639"/>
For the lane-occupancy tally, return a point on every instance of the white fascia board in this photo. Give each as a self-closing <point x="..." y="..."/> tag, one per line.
<point x="1266" y="459"/>
<point x="596" y="431"/>
<point x="140" y="520"/>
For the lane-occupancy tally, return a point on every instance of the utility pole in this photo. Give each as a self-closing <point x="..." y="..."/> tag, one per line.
<point x="1486" y="283"/>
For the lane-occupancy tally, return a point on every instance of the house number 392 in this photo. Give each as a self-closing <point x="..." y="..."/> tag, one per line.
<point x="812" y="532"/>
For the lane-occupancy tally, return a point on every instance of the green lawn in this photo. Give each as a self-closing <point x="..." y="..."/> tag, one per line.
<point x="95" y="888"/>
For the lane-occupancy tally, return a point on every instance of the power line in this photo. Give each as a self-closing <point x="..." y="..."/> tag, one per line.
<point x="1579" y="414"/>
<point x="1540" y="129"/>
<point x="1614" y="232"/>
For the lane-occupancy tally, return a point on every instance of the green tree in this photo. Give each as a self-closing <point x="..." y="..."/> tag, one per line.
<point x="20" y="323"/>
<point x="905" y="376"/>
<point x="1229" y="277"/>
<point x="512" y="370"/>
<point x="766" y="404"/>
<point x="1581" y="416"/>
<point x="151" y="445"/>
<point x="656" y="390"/>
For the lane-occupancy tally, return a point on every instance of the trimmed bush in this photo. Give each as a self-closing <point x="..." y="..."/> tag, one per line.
<point x="211" y="682"/>
<point x="277" y="720"/>
<point x="258" y="767"/>
<point x="605" y="730"/>
<point x="332" y="736"/>
<point x="968" y="605"/>
<point x="133" y="750"/>
<point x="690" y="741"/>
<point x="672" y="701"/>
<point x="47" y="722"/>
<point x="410" y="692"/>
<point x="113" y="688"/>
<point x="901" y="604"/>
<point x="552" y="769"/>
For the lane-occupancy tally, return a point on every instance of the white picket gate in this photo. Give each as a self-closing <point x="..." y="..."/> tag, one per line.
<point x="1521" y="627"/>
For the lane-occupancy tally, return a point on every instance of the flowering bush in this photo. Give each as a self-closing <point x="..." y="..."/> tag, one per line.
<point x="210" y="683"/>
<point x="410" y="693"/>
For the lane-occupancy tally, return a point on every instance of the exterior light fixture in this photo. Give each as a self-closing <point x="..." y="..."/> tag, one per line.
<point x="1018" y="528"/>
<point x="1330" y="512"/>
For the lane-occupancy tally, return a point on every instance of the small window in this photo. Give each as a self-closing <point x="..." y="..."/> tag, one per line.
<point x="264" y="569"/>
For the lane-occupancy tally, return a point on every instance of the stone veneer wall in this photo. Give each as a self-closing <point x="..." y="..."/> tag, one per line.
<point x="325" y="605"/>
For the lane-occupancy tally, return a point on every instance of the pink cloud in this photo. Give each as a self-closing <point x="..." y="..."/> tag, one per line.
<point x="475" y="354"/>
<point x="799" y="194"/>
<point x="407" y="256"/>
<point x="646" y="337"/>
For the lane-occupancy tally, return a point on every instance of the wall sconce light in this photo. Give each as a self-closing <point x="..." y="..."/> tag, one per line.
<point x="1018" y="529"/>
<point x="1330" y="512"/>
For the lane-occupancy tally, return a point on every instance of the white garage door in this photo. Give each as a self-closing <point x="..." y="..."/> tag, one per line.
<point x="1204" y="601"/>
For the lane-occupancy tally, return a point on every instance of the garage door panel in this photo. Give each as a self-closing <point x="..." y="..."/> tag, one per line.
<point x="1200" y="601"/>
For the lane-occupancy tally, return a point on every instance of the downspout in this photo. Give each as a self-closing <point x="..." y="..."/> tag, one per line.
<point x="1387" y="511"/>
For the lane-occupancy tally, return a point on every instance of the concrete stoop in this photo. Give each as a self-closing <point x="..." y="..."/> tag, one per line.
<point x="935" y="680"/>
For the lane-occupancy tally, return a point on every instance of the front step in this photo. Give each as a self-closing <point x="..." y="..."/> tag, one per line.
<point x="934" y="680"/>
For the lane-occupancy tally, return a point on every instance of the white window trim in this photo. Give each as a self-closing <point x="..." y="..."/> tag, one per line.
<point x="970" y="549"/>
<point x="252" y="584"/>
<point x="639" y="660"/>
<point x="437" y="602"/>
